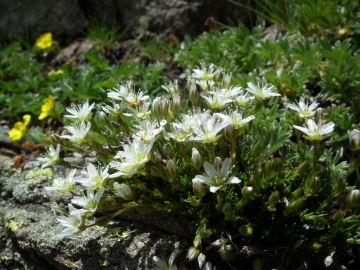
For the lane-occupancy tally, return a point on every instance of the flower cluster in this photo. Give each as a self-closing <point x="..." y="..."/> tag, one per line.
<point x="153" y="152"/>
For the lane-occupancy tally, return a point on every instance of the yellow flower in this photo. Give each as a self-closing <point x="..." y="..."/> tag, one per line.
<point x="19" y="128"/>
<point x="44" y="41"/>
<point x="46" y="107"/>
<point x="54" y="72"/>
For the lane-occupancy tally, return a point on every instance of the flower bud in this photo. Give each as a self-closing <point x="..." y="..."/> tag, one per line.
<point x="340" y="185"/>
<point x="296" y="194"/>
<point x="197" y="241"/>
<point x="295" y="205"/>
<point x="257" y="265"/>
<point x="171" y="169"/>
<point x="175" y="105"/>
<point x="274" y="198"/>
<point x="303" y="168"/>
<point x="217" y="163"/>
<point x="316" y="246"/>
<point x="315" y="183"/>
<point x="156" y="109"/>
<point x="334" y="228"/>
<point x="338" y="215"/>
<point x="194" y="202"/>
<point x="269" y="167"/>
<point x="227" y="209"/>
<point x="246" y="192"/>
<point x="353" y="198"/>
<point x="198" y="188"/>
<point x="230" y="133"/>
<point x="354" y="138"/>
<point x="193" y="93"/>
<point x="318" y="114"/>
<point x="245" y="230"/>
<point x="123" y="191"/>
<point x="28" y="146"/>
<point x="193" y="253"/>
<point x="278" y="165"/>
<point x="226" y="255"/>
<point x="196" y="159"/>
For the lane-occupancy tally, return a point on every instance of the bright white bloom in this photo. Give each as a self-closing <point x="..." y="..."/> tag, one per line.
<point x="140" y="112"/>
<point x="132" y="158"/>
<point x="78" y="131"/>
<point x="63" y="185"/>
<point x="178" y="134"/>
<point x="235" y="118"/>
<point x="116" y="108"/>
<point x="261" y="91"/>
<point x="172" y="88"/>
<point x="207" y="266"/>
<point x="207" y="132"/>
<point x="74" y="223"/>
<point x="217" y="179"/>
<point x="92" y="177"/>
<point x="193" y="119"/>
<point x="316" y="132"/>
<point x="51" y="157"/>
<point x="127" y="94"/>
<point x="148" y="130"/>
<point x="80" y="113"/>
<point x="243" y="100"/>
<point x="123" y="191"/>
<point x="205" y="85"/>
<point x="216" y="99"/>
<point x="232" y="91"/>
<point x="206" y="74"/>
<point x="303" y="108"/>
<point x="90" y="202"/>
<point x="161" y="264"/>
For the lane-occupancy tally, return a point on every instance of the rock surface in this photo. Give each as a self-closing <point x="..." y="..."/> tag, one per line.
<point x="68" y="19"/>
<point x="28" y="228"/>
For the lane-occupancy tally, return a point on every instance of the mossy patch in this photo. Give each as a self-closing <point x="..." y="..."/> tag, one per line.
<point x="47" y="173"/>
<point x="12" y="225"/>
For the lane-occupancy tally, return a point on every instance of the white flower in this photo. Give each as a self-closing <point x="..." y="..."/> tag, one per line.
<point x="63" y="185"/>
<point x="303" y="108"/>
<point x="208" y="130"/>
<point x="207" y="266"/>
<point x="80" y="113"/>
<point x="205" y="85"/>
<point x="140" y="112"/>
<point x="206" y="74"/>
<point x="193" y="119"/>
<point x="78" y="131"/>
<point x="133" y="157"/>
<point x="172" y="88"/>
<point x="316" y="132"/>
<point x="115" y="109"/>
<point x="217" y="179"/>
<point x="243" y="100"/>
<point x="216" y="99"/>
<point x="74" y="223"/>
<point x="235" y="118"/>
<point x="51" y="157"/>
<point x="261" y="91"/>
<point x="127" y="94"/>
<point x="90" y="202"/>
<point x="92" y="177"/>
<point x="123" y="191"/>
<point x="232" y="92"/>
<point x="178" y="134"/>
<point x="147" y="130"/>
<point x="161" y="264"/>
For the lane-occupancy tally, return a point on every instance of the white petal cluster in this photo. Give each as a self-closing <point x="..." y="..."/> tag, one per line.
<point x="51" y="157"/>
<point x="89" y="202"/>
<point x="316" y="132"/>
<point x="235" y="118"/>
<point x="217" y="179"/>
<point x="148" y="130"/>
<point x="63" y="185"/>
<point x="78" y="131"/>
<point x="132" y="158"/>
<point x="74" y="223"/>
<point x="80" y="113"/>
<point x="261" y="91"/>
<point x="204" y="73"/>
<point x="93" y="178"/>
<point x="303" y="108"/>
<point x="127" y="94"/>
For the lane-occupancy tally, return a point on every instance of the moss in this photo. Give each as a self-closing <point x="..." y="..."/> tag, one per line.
<point x="12" y="225"/>
<point x="39" y="173"/>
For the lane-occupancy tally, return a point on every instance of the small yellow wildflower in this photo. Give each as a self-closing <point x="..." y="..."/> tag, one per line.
<point x="19" y="128"/>
<point x="46" y="107"/>
<point x="44" y="41"/>
<point x="54" y="72"/>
